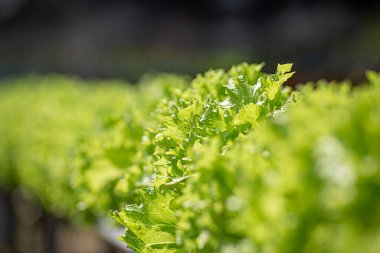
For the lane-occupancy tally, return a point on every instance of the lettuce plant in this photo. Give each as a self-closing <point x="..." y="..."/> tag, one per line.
<point x="218" y="104"/>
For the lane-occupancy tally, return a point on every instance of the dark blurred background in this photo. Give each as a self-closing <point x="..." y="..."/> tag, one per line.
<point x="124" y="39"/>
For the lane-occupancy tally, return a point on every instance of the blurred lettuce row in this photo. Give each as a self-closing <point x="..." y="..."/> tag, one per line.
<point x="306" y="179"/>
<point x="62" y="138"/>
<point x="41" y="119"/>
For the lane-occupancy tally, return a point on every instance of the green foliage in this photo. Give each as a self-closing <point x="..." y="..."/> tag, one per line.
<point x="68" y="140"/>
<point x="41" y="119"/>
<point x="306" y="180"/>
<point x="231" y="161"/>
<point x="109" y="165"/>
<point x="318" y="185"/>
<point x="217" y="104"/>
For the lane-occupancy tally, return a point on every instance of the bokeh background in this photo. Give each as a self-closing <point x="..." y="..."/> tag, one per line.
<point x="124" y="39"/>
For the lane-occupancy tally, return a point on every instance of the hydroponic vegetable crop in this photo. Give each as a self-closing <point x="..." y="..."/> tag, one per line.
<point x="231" y="161"/>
